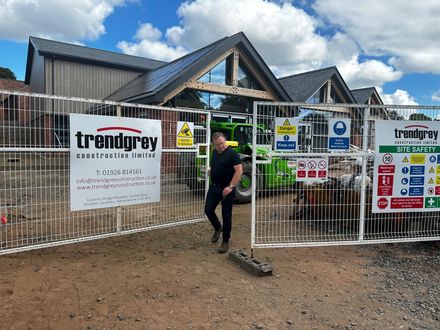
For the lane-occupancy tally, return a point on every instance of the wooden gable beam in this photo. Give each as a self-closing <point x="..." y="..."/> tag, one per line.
<point x="194" y="83"/>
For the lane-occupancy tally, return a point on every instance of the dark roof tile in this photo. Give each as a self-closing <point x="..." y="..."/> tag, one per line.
<point x="302" y="86"/>
<point x="153" y="86"/>
<point x="47" y="47"/>
<point x="362" y="94"/>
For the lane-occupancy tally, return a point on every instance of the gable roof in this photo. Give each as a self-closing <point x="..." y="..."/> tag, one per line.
<point x="362" y="94"/>
<point x="153" y="86"/>
<point x="302" y="86"/>
<point x="46" y="47"/>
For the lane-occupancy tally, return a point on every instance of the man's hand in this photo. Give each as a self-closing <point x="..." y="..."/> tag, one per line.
<point x="227" y="191"/>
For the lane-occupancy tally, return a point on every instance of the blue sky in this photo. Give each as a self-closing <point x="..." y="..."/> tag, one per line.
<point x="398" y="53"/>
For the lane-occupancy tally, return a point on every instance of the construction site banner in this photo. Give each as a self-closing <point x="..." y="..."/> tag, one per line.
<point x="406" y="167"/>
<point x="114" y="161"/>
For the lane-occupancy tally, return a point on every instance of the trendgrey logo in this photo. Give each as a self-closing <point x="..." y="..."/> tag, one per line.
<point x="119" y="141"/>
<point x="419" y="132"/>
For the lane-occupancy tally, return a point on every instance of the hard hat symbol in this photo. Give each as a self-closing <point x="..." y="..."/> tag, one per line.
<point x="339" y="128"/>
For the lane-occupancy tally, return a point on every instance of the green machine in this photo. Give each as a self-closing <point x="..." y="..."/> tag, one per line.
<point x="273" y="173"/>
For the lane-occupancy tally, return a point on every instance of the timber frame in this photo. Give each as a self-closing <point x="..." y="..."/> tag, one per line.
<point x="194" y="82"/>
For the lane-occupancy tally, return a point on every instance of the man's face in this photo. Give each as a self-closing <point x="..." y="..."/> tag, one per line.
<point x="220" y="144"/>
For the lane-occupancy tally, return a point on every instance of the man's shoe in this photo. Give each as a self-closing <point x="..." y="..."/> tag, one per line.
<point x="223" y="248"/>
<point x="216" y="235"/>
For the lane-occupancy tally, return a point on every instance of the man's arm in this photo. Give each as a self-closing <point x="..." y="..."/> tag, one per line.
<point x="235" y="179"/>
<point x="238" y="172"/>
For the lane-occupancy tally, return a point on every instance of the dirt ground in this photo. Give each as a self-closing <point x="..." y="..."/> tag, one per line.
<point x="175" y="279"/>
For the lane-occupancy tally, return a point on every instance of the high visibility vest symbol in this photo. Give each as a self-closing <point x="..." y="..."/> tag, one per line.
<point x="185" y="131"/>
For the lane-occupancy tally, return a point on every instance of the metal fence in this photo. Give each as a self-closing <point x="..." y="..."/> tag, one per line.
<point x="337" y="208"/>
<point x="34" y="173"/>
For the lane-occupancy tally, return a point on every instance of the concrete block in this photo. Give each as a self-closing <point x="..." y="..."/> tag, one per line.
<point x="251" y="265"/>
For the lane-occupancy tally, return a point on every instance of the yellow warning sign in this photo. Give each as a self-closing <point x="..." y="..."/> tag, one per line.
<point x="431" y="170"/>
<point x="431" y="181"/>
<point x="185" y="131"/>
<point x="437" y="180"/>
<point x="185" y="137"/>
<point x="438" y="169"/>
<point x="286" y="128"/>
<point x="405" y="160"/>
<point x="417" y="159"/>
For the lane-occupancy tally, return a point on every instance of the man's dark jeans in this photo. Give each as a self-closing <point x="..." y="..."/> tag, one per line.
<point x="214" y="197"/>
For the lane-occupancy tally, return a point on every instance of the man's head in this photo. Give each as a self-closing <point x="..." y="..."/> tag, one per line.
<point x="219" y="141"/>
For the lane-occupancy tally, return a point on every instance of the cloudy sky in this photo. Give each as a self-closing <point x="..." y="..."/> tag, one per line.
<point x="392" y="45"/>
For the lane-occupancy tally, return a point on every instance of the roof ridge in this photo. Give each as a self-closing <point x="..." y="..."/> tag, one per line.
<point x="190" y="53"/>
<point x="359" y="89"/>
<point x="93" y="48"/>
<point x="308" y="72"/>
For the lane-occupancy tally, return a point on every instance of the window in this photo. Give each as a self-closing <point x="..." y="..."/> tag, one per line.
<point x="220" y="74"/>
<point x="318" y="121"/>
<point x="245" y="79"/>
<point x="318" y="97"/>
<point x="212" y="101"/>
<point x="334" y="97"/>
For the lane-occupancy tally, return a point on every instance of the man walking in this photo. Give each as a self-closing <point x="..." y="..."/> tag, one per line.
<point x="225" y="173"/>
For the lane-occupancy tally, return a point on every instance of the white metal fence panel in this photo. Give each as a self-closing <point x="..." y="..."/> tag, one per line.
<point x="34" y="173"/>
<point x="336" y="210"/>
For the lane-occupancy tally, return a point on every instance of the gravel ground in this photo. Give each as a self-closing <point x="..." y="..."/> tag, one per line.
<point x="408" y="277"/>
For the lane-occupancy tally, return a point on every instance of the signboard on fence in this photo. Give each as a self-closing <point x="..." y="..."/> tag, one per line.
<point x="185" y="134"/>
<point x="406" y="167"/>
<point x="114" y="161"/>
<point x="339" y="134"/>
<point x="311" y="169"/>
<point x="286" y="134"/>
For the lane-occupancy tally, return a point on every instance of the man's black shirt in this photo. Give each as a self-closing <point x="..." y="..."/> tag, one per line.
<point x="222" y="166"/>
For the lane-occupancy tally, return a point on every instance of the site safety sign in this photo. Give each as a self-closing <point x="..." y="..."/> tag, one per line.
<point x="311" y="169"/>
<point x="286" y="134"/>
<point x="339" y="134"/>
<point x="406" y="167"/>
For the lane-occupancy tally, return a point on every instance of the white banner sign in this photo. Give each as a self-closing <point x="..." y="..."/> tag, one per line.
<point x="114" y="161"/>
<point x="406" y="166"/>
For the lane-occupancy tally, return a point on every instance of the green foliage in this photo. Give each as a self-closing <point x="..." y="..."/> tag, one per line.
<point x="394" y="115"/>
<point x="7" y="73"/>
<point x="419" y="116"/>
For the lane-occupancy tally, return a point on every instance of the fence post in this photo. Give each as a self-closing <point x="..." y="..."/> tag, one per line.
<point x="119" y="209"/>
<point x="365" y="131"/>
<point x="208" y="151"/>
<point x="254" y="173"/>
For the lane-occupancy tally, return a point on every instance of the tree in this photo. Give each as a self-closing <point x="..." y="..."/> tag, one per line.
<point x="419" y="116"/>
<point x="394" y="115"/>
<point x="7" y="73"/>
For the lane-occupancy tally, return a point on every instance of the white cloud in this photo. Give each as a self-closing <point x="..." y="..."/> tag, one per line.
<point x="285" y="36"/>
<point x="65" y="20"/>
<point x="436" y="96"/>
<point x="344" y="53"/>
<point x="149" y="45"/>
<point x="406" y="30"/>
<point x="399" y="97"/>
<point x="368" y="73"/>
